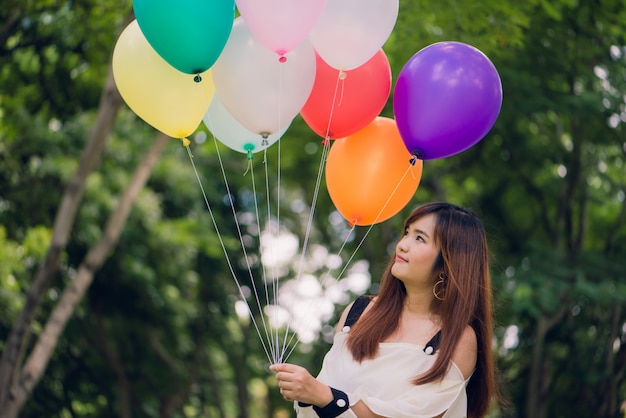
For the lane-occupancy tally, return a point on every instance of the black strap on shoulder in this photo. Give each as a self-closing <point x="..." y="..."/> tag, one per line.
<point x="359" y="306"/>
<point x="432" y="345"/>
<point x="357" y="309"/>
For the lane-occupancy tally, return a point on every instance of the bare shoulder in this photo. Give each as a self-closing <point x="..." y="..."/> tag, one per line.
<point x="466" y="351"/>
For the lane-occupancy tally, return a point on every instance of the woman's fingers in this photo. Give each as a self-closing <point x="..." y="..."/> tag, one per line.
<point x="279" y="367"/>
<point x="282" y="383"/>
<point x="291" y="380"/>
<point x="285" y="393"/>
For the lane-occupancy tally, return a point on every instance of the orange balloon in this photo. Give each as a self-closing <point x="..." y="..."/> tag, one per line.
<point x="370" y="175"/>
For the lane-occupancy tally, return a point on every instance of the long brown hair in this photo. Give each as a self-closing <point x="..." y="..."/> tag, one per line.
<point x="464" y="262"/>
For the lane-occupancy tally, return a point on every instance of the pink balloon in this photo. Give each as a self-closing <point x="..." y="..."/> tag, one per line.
<point x="262" y="91"/>
<point x="281" y="25"/>
<point x="350" y="32"/>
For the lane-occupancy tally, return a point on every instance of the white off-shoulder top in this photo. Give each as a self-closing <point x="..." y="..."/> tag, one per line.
<point x="384" y="383"/>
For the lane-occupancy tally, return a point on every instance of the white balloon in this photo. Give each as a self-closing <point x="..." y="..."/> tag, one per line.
<point x="231" y="133"/>
<point x="350" y="32"/>
<point x="263" y="91"/>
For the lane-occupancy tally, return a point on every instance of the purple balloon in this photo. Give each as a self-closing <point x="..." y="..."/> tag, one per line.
<point x="447" y="97"/>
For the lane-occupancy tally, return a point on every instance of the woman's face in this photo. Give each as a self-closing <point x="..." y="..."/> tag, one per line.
<point x="416" y="254"/>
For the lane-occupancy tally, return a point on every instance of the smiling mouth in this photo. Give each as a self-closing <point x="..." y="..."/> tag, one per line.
<point x="398" y="258"/>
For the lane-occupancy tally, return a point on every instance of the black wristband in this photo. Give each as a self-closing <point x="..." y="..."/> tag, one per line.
<point x="336" y="407"/>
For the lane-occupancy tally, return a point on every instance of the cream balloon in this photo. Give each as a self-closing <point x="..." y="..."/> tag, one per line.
<point x="231" y="133"/>
<point x="263" y="91"/>
<point x="350" y="32"/>
<point x="167" y="99"/>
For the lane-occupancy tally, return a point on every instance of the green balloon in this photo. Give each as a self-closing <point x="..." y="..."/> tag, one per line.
<point x="189" y="34"/>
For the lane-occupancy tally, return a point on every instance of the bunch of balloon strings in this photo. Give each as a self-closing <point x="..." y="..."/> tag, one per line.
<point x="277" y="343"/>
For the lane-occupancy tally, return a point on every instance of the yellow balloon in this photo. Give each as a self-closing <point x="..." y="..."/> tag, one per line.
<point x="171" y="101"/>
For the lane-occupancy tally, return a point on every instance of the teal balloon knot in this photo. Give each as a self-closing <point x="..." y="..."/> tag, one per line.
<point x="249" y="148"/>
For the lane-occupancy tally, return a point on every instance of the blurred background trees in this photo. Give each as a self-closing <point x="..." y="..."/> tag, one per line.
<point x="157" y="332"/>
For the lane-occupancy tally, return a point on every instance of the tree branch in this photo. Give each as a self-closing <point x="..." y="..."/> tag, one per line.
<point x="73" y="293"/>
<point x="14" y="349"/>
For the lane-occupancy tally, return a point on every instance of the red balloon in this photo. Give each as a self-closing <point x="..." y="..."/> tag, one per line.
<point x="370" y="175"/>
<point x="343" y="102"/>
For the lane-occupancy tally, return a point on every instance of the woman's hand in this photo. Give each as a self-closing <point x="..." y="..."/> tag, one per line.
<point x="297" y="384"/>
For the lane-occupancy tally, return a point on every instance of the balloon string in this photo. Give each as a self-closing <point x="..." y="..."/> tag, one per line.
<point x="248" y="265"/>
<point x="340" y="76"/>
<point x="273" y="250"/>
<point x="265" y="321"/>
<point x="278" y="168"/>
<point x="408" y="170"/>
<point x="249" y="166"/>
<point x="223" y="246"/>
<point x="276" y="234"/>
<point x="268" y="327"/>
<point x="308" y="314"/>
<point x="326" y="146"/>
<point x="358" y="247"/>
<point x="307" y="233"/>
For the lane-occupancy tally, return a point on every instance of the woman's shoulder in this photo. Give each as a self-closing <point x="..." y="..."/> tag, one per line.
<point x="466" y="352"/>
<point x="362" y="304"/>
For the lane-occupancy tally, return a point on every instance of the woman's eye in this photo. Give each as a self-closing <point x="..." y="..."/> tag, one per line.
<point x="420" y="238"/>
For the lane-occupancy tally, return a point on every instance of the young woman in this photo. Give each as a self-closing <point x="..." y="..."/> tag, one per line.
<point x="422" y="347"/>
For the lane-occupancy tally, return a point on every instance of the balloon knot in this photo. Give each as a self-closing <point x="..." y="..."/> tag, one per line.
<point x="418" y="154"/>
<point x="326" y="142"/>
<point x="185" y="142"/>
<point x="342" y="75"/>
<point x="249" y="148"/>
<point x="197" y="78"/>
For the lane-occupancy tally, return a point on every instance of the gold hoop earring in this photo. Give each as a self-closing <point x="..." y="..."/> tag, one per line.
<point x="442" y="290"/>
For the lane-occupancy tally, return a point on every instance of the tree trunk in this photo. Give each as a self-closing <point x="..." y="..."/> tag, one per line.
<point x="15" y="346"/>
<point x="216" y="387"/>
<point x="113" y="359"/>
<point x="26" y="378"/>
<point x="614" y="368"/>
<point x="539" y="381"/>
<point x="171" y="402"/>
<point x="241" y="374"/>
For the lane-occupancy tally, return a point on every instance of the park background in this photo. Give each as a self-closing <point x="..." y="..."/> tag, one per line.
<point x="116" y="299"/>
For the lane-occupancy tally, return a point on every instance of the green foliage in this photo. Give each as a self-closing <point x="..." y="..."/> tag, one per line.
<point x="12" y="266"/>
